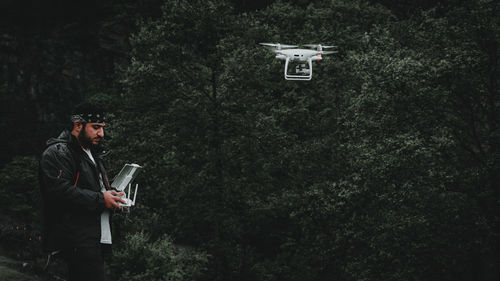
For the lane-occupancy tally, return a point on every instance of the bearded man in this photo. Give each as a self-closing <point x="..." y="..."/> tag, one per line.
<point x="77" y="198"/>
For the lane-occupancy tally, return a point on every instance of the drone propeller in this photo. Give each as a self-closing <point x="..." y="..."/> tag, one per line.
<point x="319" y="47"/>
<point x="328" y="52"/>
<point x="289" y="46"/>
<point x="278" y="45"/>
<point x="269" y="44"/>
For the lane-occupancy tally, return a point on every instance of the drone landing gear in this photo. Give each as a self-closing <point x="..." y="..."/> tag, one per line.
<point x="301" y="72"/>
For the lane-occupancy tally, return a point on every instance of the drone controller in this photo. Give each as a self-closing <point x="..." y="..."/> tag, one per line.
<point x="124" y="179"/>
<point x="128" y="202"/>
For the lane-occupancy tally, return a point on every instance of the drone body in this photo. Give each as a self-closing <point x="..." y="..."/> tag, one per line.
<point x="291" y="54"/>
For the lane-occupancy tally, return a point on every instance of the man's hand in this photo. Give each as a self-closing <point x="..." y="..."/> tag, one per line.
<point x="110" y="199"/>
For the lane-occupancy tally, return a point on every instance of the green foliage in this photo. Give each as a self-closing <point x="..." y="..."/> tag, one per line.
<point x="138" y="258"/>
<point x="384" y="167"/>
<point x="19" y="192"/>
<point x="359" y="174"/>
<point x="356" y="175"/>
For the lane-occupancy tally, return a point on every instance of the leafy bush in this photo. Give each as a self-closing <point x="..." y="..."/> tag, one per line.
<point x="20" y="208"/>
<point x="140" y="259"/>
<point x="19" y="193"/>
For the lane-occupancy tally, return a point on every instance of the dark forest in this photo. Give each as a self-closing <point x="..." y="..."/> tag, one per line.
<point x="385" y="166"/>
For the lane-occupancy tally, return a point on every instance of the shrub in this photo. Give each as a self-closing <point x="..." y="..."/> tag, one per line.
<point x="19" y="192"/>
<point x="138" y="259"/>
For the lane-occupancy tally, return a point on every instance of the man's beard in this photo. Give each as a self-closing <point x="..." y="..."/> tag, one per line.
<point x="86" y="141"/>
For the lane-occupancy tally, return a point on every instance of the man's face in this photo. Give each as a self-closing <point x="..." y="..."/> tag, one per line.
<point x="91" y="134"/>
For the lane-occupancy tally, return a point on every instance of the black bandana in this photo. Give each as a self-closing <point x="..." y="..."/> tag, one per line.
<point x="89" y="118"/>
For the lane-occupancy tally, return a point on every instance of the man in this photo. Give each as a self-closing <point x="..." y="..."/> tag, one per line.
<point x="76" y="195"/>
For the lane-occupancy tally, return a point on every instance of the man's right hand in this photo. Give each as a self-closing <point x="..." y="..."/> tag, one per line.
<point x="111" y="198"/>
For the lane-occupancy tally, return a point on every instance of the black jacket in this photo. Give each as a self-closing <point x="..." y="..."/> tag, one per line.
<point x="72" y="201"/>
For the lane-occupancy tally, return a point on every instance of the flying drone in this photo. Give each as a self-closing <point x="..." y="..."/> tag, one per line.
<point x="300" y="57"/>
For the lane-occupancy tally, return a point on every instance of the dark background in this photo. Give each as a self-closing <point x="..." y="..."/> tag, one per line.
<point x="384" y="167"/>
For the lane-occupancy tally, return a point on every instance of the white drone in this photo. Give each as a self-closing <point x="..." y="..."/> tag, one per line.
<point x="289" y="53"/>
